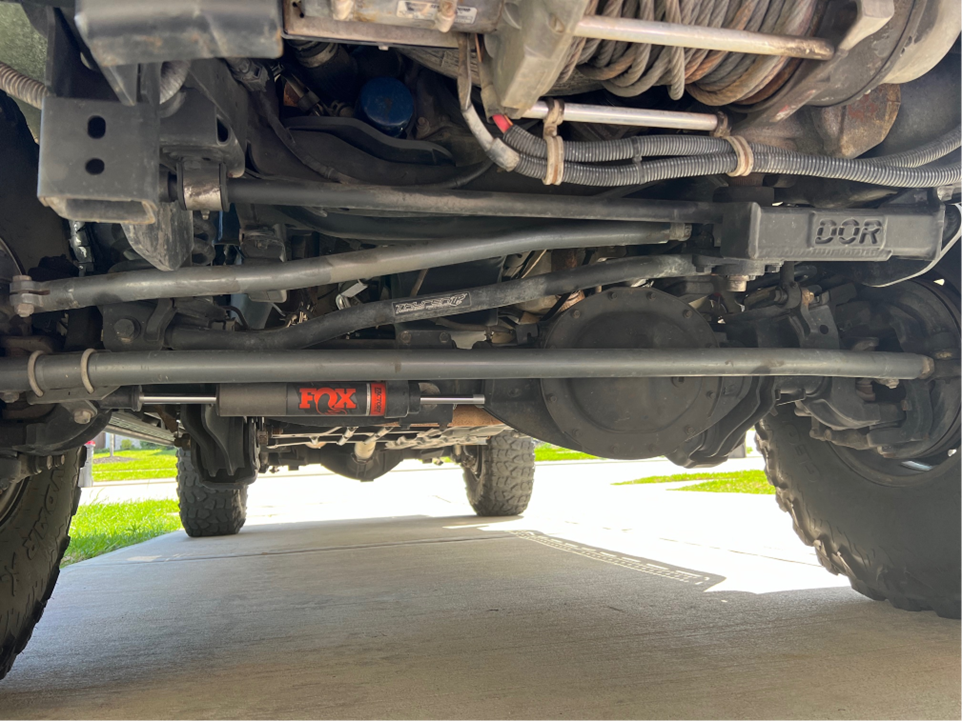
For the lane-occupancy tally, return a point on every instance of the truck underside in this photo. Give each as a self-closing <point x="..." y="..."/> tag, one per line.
<point x="353" y="232"/>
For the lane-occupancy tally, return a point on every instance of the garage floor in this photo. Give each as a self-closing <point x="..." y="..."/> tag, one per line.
<point x="388" y="600"/>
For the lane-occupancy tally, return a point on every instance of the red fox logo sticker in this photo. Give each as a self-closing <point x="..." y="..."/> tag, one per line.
<point x="328" y="401"/>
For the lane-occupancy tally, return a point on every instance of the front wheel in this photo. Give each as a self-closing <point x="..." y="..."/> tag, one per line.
<point x="891" y="527"/>
<point x="206" y="510"/>
<point x="499" y="476"/>
<point x="34" y="520"/>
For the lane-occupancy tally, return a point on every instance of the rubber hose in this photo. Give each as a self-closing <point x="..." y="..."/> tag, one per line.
<point x="22" y="87"/>
<point x="933" y="150"/>
<point x="605" y="151"/>
<point x="767" y="160"/>
<point x="670" y="145"/>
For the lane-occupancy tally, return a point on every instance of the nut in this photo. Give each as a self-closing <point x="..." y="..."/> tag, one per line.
<point x="24" y="310"/>
<point x="83" y="416"/>
<point x="9" y="397"/>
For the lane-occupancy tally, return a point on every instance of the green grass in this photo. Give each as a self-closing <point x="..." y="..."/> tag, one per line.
<point x="143" y="465"/>
<point x="548" y="452"/>
<point x="734" y="482"/>
<point x="103" y="527"/>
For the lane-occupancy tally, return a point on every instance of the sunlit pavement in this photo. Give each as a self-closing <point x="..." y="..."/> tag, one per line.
<point x="390" y="600"/>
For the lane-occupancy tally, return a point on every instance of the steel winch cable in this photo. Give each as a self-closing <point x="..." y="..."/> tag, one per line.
<point x="713" y="77"/>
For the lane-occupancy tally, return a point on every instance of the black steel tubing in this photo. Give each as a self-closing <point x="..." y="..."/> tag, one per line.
<point x="224" y="279"/>
<point x="437" y="305"/>
<point x="65" y="371"/>
<point x="465" y="202"/>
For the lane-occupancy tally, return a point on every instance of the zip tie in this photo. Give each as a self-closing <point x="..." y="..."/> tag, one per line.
<point x="32" y="373"/>
<point x="554" y="172"/>
<point x="85" y="369"/>
<point x="744" y="154"/>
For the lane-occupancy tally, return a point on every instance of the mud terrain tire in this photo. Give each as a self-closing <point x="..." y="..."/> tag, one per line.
<point x="34" y="525"/>
<point x="499" y="477"/>
<point x="204" y="509"/>
<point x="895" y="538"/>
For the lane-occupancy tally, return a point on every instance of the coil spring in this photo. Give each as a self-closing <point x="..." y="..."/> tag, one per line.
<point x="713" y="77"/>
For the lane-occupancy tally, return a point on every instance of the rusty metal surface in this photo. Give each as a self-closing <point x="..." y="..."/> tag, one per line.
<point x="475" y="16"/>
<point x="298" y="24"/>
<point x="123" y="33"/>
<point x="844" y="131"/>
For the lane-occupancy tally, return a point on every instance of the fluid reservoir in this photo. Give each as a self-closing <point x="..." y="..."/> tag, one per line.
<point x="386" y="104"/>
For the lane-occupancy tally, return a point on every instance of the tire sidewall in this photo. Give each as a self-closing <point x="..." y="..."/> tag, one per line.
<point x="900" y="539"/>
<point x="33" y="537"/>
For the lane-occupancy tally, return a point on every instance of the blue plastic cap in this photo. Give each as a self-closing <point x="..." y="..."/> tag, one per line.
<point x="386" y="104"/>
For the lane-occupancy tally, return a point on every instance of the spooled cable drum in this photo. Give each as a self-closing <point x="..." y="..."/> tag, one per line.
<point x="714" y="77"/>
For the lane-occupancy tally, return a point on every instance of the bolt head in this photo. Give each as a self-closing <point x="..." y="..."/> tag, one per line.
<point x="9" y="397"/>
<point x="445" y="337"/>
<point x="556" y="24"/>
<point x="24" y="310"/>
<point x="125" y="329"/>
<point x="688" y="313"/>
<point x="576" y="314"/>
<point x="83" y="416"/>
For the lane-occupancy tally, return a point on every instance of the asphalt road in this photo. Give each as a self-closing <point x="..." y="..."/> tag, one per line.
<point x="388" y="600"/>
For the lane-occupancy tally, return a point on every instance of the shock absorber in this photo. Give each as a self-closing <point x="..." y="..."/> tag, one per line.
<point x="386" y="400"/>
<point x="390" y="399"/>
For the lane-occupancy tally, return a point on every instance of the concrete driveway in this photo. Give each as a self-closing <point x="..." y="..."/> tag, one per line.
<point x="389" y="600"/>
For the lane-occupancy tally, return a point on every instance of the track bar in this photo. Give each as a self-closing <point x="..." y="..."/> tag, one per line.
<point x="466" y="202"/>
<point x="693" y="36"/>
<point x="71" y="371"/>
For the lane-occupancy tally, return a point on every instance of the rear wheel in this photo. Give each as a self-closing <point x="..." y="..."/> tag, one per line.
<point x="205" y="509"/>
<point x="891" y="527"/>
<point x="499" y="476"/>
<point x="34" y="520"/>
